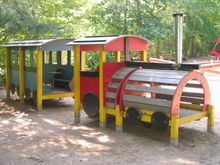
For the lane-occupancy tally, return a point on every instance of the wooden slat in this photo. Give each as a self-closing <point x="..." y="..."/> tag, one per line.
<point x="154" y="79"/>
<point x="162" y="71"/>
<point x="166" y="91"/>
<point x="192" y="94"/>
<point x="120" y="74"/>
<point x="110" y="95"/>
<point x="113" y="85"/>
<point x="166" y="97"/>
<point x="146" y="106"/>
<point x="158" y="74"/>
<point x="192" y="100"/>
<point x="125" y="70"/>
<point x="110" y="105"/>
<point x="194" y="85"/>
<point x="146" y="100"/>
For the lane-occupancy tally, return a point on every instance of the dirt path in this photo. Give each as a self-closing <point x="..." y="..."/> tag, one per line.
<point x="50" y="137"/>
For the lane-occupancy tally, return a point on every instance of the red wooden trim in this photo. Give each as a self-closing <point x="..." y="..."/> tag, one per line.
<point x="121" y="90"/>
<point x="135" y="44"/>
<point x="175" y="106"/>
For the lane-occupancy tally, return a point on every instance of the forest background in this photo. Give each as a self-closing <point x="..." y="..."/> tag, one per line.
<point x="152" y="19"/>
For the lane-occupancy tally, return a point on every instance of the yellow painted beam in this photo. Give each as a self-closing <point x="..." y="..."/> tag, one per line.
<point x="83" y="61"/>
<point x="102" y="113"/>
<point x="211" y="118"/>
<point x="77" y="83"/>
<point x="191" y="106"/>
<point x="57" y="95"/>
<point x="21" y="74"/>
<point x="191" y="118"/>
<point x="144" y="55"/>
<point x="110" y="111"/>
<point x="146" y="118"/>
<point x="117" y="56"/>
<point x="7" y="65"/>
<point x="174" y="130"/>
<point x="39" y="79"/>
<point x="118" y="119"/>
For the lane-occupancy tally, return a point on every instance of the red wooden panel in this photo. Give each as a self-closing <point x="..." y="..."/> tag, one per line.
<point x="115" y="45"/>
<point x="89" y="84"/>
<point x="89" y="47"/>
<point x="109" y="68"/>
<point x="137" y="44"/>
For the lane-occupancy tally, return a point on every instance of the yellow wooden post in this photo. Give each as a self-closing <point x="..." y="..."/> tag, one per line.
<point x="39" y="79"/>
<point x="21" y="74"/>
<point x="117" y="56"/>
<point x="102" y="113"/>
<point x="8" y="78"/>
<point x="144" y="55"/>
<point x="77" y="83"/>
<point x="211" y="116"/>
<point x="118" y="119"/>
<point x="83" y="61"/>
<point x="174" y="130"/>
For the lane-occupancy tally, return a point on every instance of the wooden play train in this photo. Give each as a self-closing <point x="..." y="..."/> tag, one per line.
<point x="165" y="95"/>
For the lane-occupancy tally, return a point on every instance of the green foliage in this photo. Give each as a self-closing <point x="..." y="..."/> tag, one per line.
<point x="2" y="77"/>
<point x="92" y="60"/>
<point x="152" y="19"/>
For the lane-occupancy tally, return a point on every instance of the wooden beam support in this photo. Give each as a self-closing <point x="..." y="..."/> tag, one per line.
<point x="21" y="74"/>
<point x="117" y="56"/>
<point x="174" y="130"/>
<point x="39" y="79"/>
<point x="211" y="118"/>
<point x="7" y="65"/>
<point x="57" y="95"/>
<point x="83" y="61"/>
<point x="118" y="119"/>
<point x="102" y="112"/>
<point x="144" y="55"/>
<point x="76" y="83"/>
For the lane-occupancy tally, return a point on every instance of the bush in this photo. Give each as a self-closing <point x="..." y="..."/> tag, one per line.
<point x="2" y="77"/>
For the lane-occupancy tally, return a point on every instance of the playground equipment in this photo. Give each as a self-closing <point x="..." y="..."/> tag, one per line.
<point x="165" y="95"/>
<point x="38" y="69"/>
<point x="215" y="51"/>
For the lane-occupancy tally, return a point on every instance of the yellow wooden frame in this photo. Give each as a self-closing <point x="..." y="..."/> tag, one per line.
<point x="117" y="56"/>
<point x="102" y="112"/>
<point x="211" y="118"/>
<point x="174" y="121"/>
<point x="118" y="119"/>
<point x="39" y="79"/>
<point x="83" y="60"/>
<point x="57" y="95"/>
<point x="144" y="56"/>
<point x="21" y="74"/>
<point x="77" y="83"/>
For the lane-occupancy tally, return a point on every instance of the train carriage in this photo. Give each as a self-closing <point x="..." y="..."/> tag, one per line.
<point x="39" y="69"/>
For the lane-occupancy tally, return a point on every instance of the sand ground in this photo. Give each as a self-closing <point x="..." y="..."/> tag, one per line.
<point x="50" y="137"/>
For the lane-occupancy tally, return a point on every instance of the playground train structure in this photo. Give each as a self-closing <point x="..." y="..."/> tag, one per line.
<point x="166" y="95"/>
